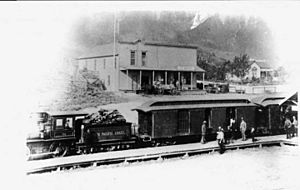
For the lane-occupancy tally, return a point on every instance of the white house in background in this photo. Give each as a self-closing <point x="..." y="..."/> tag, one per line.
<point x="260" y="69"/>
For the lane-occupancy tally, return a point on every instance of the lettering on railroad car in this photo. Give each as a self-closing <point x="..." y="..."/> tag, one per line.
<point x="109" y="133"/>
<point x="119" y="132"/>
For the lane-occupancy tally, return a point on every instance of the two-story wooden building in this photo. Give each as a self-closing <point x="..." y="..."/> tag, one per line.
<point x="140" y="63"/>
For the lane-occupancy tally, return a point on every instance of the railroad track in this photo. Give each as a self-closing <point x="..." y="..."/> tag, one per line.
<point x="152" y="156"/>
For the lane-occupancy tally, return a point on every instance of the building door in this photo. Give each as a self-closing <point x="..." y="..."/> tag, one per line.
<point x="183" y="122"/>
<point x="145" y="81"/>
<point x="134" y="83"/>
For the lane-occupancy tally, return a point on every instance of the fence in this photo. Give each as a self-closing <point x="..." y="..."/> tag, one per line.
<point x="252" y="89"/>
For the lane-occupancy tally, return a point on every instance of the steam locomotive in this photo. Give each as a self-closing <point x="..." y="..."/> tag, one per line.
<point x="165" y="121"/>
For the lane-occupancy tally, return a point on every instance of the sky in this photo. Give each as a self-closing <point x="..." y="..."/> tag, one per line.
<point x="44" y="27"/>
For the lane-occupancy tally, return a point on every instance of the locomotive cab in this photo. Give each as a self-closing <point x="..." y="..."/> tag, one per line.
<point x="54" y="135"/>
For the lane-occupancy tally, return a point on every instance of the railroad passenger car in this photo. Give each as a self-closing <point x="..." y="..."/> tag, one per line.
<point x="272" y="109"/>
<point x="175" y="119"/>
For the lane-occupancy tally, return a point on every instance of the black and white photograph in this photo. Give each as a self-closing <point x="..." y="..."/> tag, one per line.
<point x="150" y="95"/>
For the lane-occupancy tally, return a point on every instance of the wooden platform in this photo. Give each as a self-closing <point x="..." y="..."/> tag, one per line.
<point x="146" y="153"/>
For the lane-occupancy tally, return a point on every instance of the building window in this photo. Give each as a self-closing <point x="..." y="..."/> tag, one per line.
<point x="95" y="64"/>
<point x="104" y="63"/>
<point x="254" y="72"/>
<point x="108" y="80"/>
<point x="143" y="58"/>
<point x="132" y="57"/>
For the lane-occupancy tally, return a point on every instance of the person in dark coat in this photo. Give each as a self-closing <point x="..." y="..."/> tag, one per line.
<point x="203" y="132"/>
<point x="287" y="126"/>
<point x="90" y="138"/>
<point x="252" y="132"/>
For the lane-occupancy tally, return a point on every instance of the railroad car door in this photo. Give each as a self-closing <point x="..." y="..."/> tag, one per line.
<point x="165" y="123"/>
<point x="274" y="118"/>
<point x="230" y="114"/>
<point x="196" y="120"/>
<point x="207" y="117"/>
<point x="183" y="122"/>
<point x="219" y="118"/>
<point x="248" y="113"/>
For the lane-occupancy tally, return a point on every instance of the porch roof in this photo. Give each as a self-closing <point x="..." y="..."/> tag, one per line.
<point x="176" y="68"/>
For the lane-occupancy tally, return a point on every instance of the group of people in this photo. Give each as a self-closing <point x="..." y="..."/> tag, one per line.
<point x="230" y="135"/>
<point x="291" y="127"/>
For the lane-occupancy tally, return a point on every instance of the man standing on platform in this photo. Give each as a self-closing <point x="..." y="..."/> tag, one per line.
<point x="203" y="132"/>
<point x="253" y="134"/>
<point x="287" y="126"/>
<point x="220" y="139"/>
<point x="243" y="128"/>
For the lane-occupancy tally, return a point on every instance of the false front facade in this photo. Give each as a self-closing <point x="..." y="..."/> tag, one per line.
<point x="135" y="65"/>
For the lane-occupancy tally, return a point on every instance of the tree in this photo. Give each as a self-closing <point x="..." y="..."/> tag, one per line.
<point x="240" y="65"/>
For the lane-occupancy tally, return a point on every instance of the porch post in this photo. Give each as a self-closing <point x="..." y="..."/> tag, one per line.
<point x="179" y="80"/>
<point x="127" y="73"/>
<point x="140" y="79"/>
<point x="203" y="77"/>
<point x="153" y="74"/>
<point x="191" y="80"/>
<point x="166" y="77"/>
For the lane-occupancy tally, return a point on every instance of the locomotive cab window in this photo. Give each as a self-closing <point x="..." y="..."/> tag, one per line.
<point x="59" y="124"/>
<point x="69" y="123"/>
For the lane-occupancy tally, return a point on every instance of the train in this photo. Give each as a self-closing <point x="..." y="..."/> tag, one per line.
<point x="165" y="121"/>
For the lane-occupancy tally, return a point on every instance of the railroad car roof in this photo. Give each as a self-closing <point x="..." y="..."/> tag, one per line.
<point x="203" y="101"/>
<point x="276" y="99"/>
<point x="219" y="100"/>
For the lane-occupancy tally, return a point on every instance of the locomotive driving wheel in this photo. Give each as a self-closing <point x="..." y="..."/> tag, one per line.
<point x="59" y="149"/>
